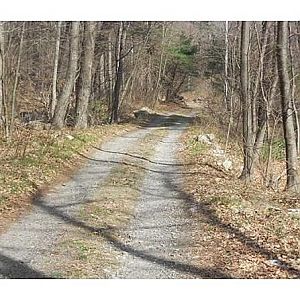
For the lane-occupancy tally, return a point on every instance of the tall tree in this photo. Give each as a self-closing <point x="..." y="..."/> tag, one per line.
<point x="1" y="73"/>
<point x="246" y="102"/>
<point x="227" y="101"/>
<point x="64" y="98"/>
<point x="292" y="168"/>
<point x="15" y="86"/>
<point x="110" y="72"/>
<point x="119" y="73"/>
<point x="260" y="119"/>
<point x="55" y="68"/>
<point x="86" y="75"/>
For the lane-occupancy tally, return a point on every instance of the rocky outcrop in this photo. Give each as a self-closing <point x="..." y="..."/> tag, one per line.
<point x="217" y="152"/>
<point x="143" y="113"/>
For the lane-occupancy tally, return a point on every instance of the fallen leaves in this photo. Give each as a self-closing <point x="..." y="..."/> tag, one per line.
<point x="247" y="227"/>
<point x="38" y="157"/>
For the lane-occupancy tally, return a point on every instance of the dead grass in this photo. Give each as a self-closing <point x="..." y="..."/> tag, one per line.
<point x="37" y="158"/>
<point x="86" y="255"/>
<point x="246" y="225"/>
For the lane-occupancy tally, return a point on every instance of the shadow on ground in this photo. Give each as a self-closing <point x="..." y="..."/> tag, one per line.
<point x="107" y="233"/>
<point x="167" y="121"/>
<point x="209" y="216"/>
<point x="10" y="268"/>
<point x="13" y="269"/>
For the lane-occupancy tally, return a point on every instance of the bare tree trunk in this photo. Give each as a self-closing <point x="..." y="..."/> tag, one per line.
<point x="227" y="101"/>
<point x="110" y="73"/>
<point x="232" y="85"/>
<point x="16" y="81"/>
<point x="170" y="91"/>
<point x="86" y="75"/>
<point x="149" y="79"/>
<point x="102" y="74"/>
<point x="130" y="82"/>
<point x="55" y="68"/>
<point x="247" y="117"/>
<point x="264" y="101"/>
<point x="160" y="68"/>
<point x="119" y="75"/>
<point x="293" y="182"/>
<point x="269" y="170"/>
<point x="263" y="126"/>
<point x="1" y="73"/>
<point x="292" y="68"/>
<point x="258" y="85"/>
<point x="64" y="98"/>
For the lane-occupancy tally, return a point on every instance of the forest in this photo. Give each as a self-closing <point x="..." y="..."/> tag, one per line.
<point x="66" y="86"/>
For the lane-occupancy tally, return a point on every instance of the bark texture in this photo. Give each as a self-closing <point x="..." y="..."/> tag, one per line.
<point x="246" y="102"/>
<point x="86" y="75"/>
<point x="55" y="68"/>
<point x="293" y="182"/>
<point x="1" y="73"/>
<point x="64" y="98"/>
<point x="119" y="74"/>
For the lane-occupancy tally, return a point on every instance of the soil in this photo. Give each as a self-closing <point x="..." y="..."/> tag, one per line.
<point x="143" y="205"/>
<point x="29" y="248"/>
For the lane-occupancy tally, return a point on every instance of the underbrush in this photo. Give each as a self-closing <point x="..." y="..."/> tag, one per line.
<point x="82" y="254"/>
<point x="36" y="157"/>
<point x="250" y="224"/>
<point x="277" y="148"/>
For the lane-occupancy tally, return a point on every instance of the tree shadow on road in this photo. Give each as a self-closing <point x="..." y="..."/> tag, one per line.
<point x="152" y="170"/>
<point x="13" y="269"/>
<point x="209" y="216"/>
<point x="141" y="158"/>
<point x="166" y="121"/>
<point x="106" y="233"/>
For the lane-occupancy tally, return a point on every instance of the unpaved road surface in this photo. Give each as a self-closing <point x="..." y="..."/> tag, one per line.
<point x="157" y="241"/>
<point x="154" y="244"/>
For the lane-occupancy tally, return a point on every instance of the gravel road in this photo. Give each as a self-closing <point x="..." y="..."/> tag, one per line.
<point x="24" y="245"/>
<point x="155" y="244"/>
<point x="154" y="239"/>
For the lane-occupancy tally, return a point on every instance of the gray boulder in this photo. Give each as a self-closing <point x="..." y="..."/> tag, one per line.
<point x="206" y="138"/>
<point x="38" y="125"/>
<point x="143" y="113"/>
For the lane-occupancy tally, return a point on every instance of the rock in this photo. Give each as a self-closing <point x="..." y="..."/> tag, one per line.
<point x="211" y="137"/>
<point x="218" y="151"/>
<point x="177" y="97"/>
<point x="227" y="164"/>
<point x="70" y="137"/>
<point x="47" y="126"/>
<point x="275" y="262"/>
<point x="143" y="113"/>
<point x="194" y="209"/>
<point x="29" y="116"/>
<point x="294" y="212"/>
<point x="206" y="138"/>
<point x="38" y="125"/>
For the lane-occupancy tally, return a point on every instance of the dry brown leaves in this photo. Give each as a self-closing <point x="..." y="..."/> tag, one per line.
<point x="38" y="158"/>
<point x="245" y="230"/>
<point x="82" y="254"/>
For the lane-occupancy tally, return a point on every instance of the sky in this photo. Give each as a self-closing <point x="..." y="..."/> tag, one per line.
<point x="159" y="10"/>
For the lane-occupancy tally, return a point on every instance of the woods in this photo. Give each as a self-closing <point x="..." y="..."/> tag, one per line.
<point x="266" y="67"/>
<point x="129" y="139"/>
<point x="287" y="108"/>
<point x="81" y="74"/>
<point x="97" y="69"/>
